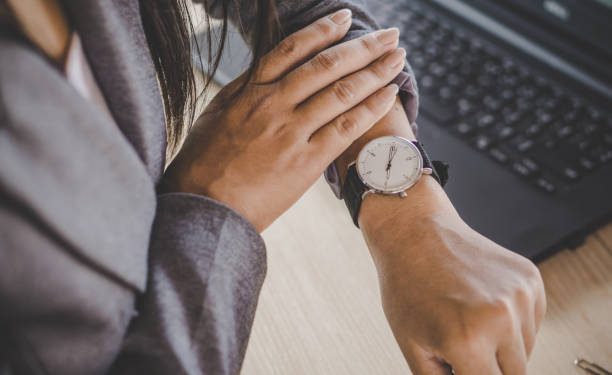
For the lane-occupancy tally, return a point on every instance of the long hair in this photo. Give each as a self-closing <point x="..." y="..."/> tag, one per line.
<point x="169" y="27"/>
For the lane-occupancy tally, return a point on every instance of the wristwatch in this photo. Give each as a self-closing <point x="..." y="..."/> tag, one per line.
<point x="388" y="165"/>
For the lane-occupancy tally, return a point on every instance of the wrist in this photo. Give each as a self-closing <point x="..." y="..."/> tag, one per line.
<point x="384" y="219"/>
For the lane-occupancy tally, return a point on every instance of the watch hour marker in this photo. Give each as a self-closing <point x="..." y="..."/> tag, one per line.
<point x="371" y="154"/>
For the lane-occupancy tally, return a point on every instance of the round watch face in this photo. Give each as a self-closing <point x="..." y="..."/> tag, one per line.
<point x="389" y="164"/>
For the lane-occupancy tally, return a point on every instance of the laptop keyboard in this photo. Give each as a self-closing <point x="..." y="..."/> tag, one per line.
<point x="500" y="107"/>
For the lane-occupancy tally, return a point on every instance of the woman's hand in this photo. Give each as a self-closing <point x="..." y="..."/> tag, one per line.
<point x="306" y="104"/>
<point x="453" y="298"/>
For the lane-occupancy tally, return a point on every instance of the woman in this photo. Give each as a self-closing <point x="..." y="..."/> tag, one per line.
<point x="84" y="231"/>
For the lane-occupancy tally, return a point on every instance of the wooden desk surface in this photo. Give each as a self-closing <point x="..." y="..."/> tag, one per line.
<point x="320" y="313"/>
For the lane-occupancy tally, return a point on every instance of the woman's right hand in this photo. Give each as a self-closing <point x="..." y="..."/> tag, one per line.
<point x="307" y="102"/>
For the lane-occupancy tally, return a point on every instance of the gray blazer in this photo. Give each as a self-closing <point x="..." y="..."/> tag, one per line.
<point x="98" y="273"/>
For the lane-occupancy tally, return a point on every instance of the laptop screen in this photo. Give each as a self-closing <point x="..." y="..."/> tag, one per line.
<point x="579" y="30"/>
<point x="588" y="21"/>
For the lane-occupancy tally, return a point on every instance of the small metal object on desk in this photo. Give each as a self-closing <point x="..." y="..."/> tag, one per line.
<point x="590" y="367"/>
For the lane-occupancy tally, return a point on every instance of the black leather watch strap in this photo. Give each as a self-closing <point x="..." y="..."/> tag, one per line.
<point x="439" y="169"/>
<point x="353" y="187"/>
<point x="352" y="192"/>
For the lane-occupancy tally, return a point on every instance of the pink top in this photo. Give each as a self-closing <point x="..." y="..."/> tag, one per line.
<point x="79" y="75"/>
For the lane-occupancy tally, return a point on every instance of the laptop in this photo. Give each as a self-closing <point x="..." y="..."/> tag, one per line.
<point x="517" y="96"/>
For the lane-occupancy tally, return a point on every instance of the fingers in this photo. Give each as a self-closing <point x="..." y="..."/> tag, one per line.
<point x="540" y="306"/>
<point x="332" y="139"/>
<point x="336" y="62"/>
<point x="528" y="328"/>
<point x="468" y="362"/>
<point x="350" y="91"/>
<point x="532" y="302"/>
<point x="301" y="45"/>
<point x="423" y="363"/>
<point x="511" y="356"/>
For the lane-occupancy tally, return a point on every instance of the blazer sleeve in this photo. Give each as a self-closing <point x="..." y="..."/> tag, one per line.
<point x="207" y="266"/>
<point x="60" y="314"/>
<point x="296" y="14"/>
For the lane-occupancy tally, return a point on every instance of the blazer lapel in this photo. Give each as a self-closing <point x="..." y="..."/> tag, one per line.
<point x="117" y="50"/>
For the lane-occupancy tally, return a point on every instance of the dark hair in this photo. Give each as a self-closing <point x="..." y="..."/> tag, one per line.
<point x="169" y="28"/>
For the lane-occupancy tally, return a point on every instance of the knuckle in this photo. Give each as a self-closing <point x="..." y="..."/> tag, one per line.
<point x="465" y="341"/>
<point x="326" y="60"/>
<point x="290" y="134"/>
<point x="379" y="70"/>
<point x="372" y="106"/>
<point x="368" y="44"/>
<point x="288" y="46"/>
<point x="346" y="125"/>
<point x="325" y="28"/>
<point x="500" y="307"/>
<point x="264" y="102"/>
<point x="343" y="91"/>
<point x="533" y="274"/>
<point x="524" y="295"/>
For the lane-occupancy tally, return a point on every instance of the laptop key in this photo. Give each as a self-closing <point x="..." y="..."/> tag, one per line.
<point x="465" y="107"/>
<point x="446" y="94"/>
<point x="533" y="130"/>
<point x="492" y="103"/>
<point x="545" y="185"/>
<point x="482" y="142"/>
<point x="544" y="118"/>
<point x="531" y="165"/>
<point x="499" y="156"/>
<point x="505" y="132"/>
<point x="521" y="169"/>
<point x="427" y="83"/>
<point x="525" y="145"/>
<point x="565" y="131"/>
<point x="485" y="120"/>
<point x="603" y="155"/>
<point x="464" y="128"/>
<point x="571" y="173"/>
<point x="586" y="163"/>
<point x="472" y="91"/>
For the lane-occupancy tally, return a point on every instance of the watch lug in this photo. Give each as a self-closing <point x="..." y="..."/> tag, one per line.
<point x="403" y="194"/>
<point x="365" y="193"/>
<point x="427" y="170"/>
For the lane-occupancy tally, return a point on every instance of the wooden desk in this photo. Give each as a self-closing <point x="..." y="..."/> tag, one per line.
<point x="319" y="311"/>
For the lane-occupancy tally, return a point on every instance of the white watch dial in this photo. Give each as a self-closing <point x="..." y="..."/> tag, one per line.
<point x="389" y="164"/>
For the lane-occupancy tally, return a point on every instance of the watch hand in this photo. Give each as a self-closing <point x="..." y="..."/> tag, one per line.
<point x="387" y="180"/>
<point x="389" y="159"/>
<point x="393" y="152"/>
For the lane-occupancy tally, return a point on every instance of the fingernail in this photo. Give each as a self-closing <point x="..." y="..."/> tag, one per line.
<point x="395" y="58"/>
<point x="341" y="17"/>
<point x="388" y="36"/>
